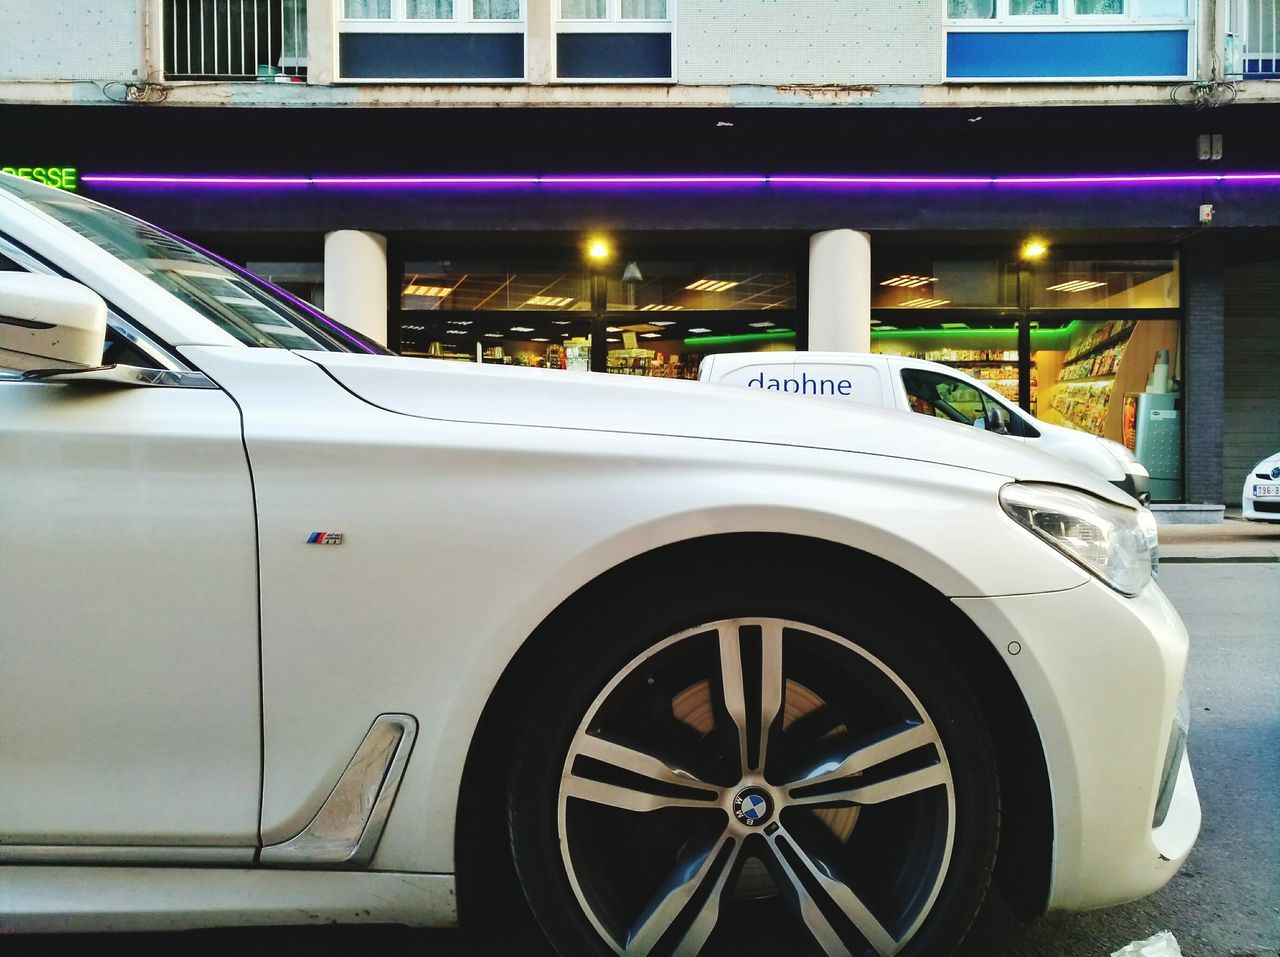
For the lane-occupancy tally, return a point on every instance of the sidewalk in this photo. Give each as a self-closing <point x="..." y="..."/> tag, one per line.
<point x="1232" y="540"/>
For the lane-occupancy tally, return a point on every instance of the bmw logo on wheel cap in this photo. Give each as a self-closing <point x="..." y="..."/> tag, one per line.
<point x="752" y="807"/>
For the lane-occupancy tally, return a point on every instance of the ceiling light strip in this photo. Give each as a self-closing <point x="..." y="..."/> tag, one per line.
<point x="1076" y="285"/>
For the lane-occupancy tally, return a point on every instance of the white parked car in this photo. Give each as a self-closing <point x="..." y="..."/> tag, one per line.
<point x="296" y="630"/>
<point x="928" y="388"/>
<point x="1260" y="498"/>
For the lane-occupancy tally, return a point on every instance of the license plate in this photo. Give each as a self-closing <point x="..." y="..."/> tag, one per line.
<point x="1262" y="491"/>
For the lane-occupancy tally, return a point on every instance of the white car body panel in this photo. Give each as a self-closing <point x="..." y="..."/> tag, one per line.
<point x="71" y="899"/>
<point x="1257" y="489"/>
<point x="1076" y="707"/>
<point x="876" y="380"/>
<point x="473" y="502"/>
<point x="129" y="686"/>
<point x="441" y="484"/>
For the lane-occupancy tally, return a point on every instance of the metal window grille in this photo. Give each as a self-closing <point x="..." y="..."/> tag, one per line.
<point x="1253" y="39"/>
<point x="235" y="39"/>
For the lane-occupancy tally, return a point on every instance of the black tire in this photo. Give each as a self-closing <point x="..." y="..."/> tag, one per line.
<point x="921" y="862"/>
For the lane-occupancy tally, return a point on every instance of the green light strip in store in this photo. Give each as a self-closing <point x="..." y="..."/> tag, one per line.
<point x="1040" y="338"/>
<point x="746" y="337"/>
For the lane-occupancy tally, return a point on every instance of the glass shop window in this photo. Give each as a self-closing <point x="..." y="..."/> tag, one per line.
<point x="655" y="317"/>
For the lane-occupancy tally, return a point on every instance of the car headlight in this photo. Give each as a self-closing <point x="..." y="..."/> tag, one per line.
<point x="1128" y="461"/>
<point x="1115" y="543"/>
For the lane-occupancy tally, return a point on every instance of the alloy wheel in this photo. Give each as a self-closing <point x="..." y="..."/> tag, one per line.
<point x="756" y="776"/>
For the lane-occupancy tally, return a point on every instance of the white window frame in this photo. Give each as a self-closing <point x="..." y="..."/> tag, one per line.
<point x="1067" y="17"/>
<point x="400" y="22"/>
<point x="612" y="22"/>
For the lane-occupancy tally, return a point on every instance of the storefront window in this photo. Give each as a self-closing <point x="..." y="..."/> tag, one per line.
<point x="1105" y="284"/>
<point x="920" y="281"/>
<point x="541" y="342"/>
<point x="652" y="316"/>
<point x="988" y="352"/>
<point x="673" y="346"/>
<point x="304" y="279"/>
<point x="459" y="286"/>
<point x="1120" y="379"/>
<point x="1105" y="339"/>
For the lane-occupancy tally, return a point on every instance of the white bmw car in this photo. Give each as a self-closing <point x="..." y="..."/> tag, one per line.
<point x="296" y="630"/>
<point x="1260" y="498"/>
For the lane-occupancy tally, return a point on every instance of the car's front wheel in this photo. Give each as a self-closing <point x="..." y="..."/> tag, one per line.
<point x="759" y="769"/>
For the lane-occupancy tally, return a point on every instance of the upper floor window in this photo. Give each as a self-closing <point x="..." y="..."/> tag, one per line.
<point x="235" y="40"/>
<point x="440" y="11"/>
<point x="1032" y="12"/>
<point x="1069" y="41"/>
<point x="431" y="40"/>
<point x="619" y="11"/>
<point x="614" y="40"/>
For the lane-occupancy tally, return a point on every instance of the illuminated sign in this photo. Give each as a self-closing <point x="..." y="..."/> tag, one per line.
<point x="61" y="177"/>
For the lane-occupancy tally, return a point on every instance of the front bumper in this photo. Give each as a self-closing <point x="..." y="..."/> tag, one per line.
<point x="1101" y="675"/>
<point x="1263" y="509"/>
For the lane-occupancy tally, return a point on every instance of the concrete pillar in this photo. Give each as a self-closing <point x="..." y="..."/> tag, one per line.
<point x="540" y="40"/>
<point x="840" y="291"/>
<point x="1203" y="412"/>
<point x="321" y="44"/>
<point x="355" y="281"/>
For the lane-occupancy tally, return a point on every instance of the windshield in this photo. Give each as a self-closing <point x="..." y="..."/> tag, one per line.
<point x="248" y="308"/>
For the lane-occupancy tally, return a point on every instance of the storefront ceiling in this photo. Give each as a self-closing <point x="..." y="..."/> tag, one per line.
<point x="556" y="142"/>
<point x="312" y="141"/>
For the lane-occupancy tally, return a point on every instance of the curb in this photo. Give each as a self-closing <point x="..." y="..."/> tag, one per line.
<point x="1219" y="559"/>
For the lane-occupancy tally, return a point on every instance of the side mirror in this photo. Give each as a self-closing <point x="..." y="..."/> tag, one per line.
<point x="996" y="422"/>
<point x="47" y="322"/>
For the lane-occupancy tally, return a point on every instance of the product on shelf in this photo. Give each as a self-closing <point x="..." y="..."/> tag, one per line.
<point x="1104" y="362"/>
<point x="646" y="362"/>
<point x="1084" y="405"/>
<point x="997" y="369"/>
<point x="966" y="355"/>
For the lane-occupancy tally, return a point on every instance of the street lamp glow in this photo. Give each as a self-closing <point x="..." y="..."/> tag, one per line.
<point x="598" y="250"/>
<point x="1034" y="249"/>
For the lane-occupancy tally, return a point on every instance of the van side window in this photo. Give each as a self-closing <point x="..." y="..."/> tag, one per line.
<point x="941" y="396"/>
<point x="947" y="397"/>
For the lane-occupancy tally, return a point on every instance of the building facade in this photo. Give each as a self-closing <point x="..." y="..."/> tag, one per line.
<point x="628" y="185"/>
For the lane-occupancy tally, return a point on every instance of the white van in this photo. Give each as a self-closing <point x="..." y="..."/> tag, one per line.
<point x="930" y="388"/>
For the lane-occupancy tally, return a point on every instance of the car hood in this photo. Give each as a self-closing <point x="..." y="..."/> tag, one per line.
<point x="1269" y="463"/>
<point x="504" y="395"/>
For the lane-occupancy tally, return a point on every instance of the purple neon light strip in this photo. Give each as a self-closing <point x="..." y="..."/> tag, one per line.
<point x="177" y="180"/>
<point x="624" y="180"/>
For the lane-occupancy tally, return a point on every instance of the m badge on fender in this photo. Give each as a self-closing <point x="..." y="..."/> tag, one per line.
<point x="325" y="538"/>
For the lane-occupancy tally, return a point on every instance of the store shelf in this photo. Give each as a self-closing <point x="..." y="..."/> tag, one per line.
<point x="1083" y="400"/>
<point x="1122" y="333"/>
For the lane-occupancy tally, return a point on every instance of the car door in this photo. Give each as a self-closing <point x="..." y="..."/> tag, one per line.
<point x="129" y="690"/>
